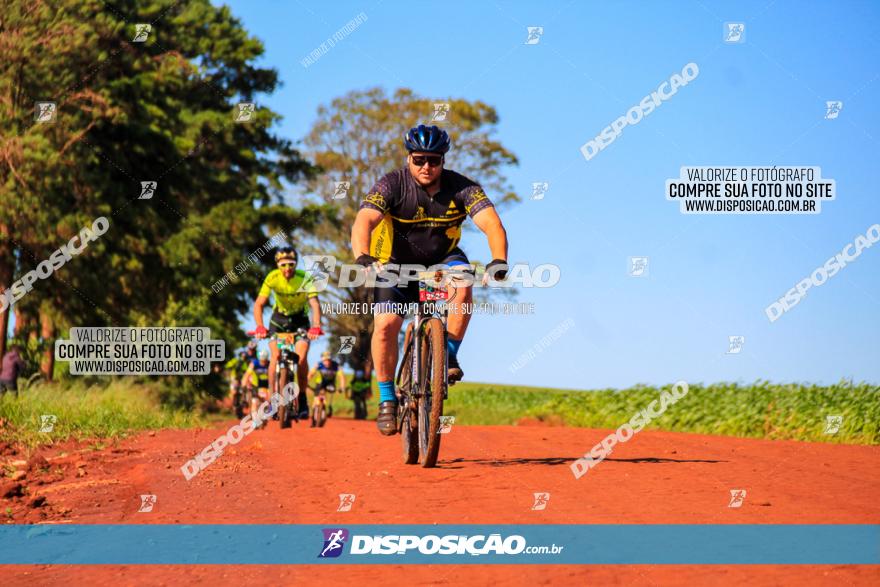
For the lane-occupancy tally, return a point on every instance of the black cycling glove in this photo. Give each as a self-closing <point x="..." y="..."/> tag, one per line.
<point x="366" y="260"/>
<point x="497" y="269"/>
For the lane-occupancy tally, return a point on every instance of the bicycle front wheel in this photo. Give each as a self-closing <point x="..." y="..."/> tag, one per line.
<point x="319" y="413"/>
<point x="434" y="381"/>
<point x="284" y="416"/>
<point x="407" y="417"/>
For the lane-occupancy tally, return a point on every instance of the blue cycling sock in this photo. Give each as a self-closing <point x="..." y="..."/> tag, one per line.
<point x="386" y="391"/>
<point x="452" y="347"/>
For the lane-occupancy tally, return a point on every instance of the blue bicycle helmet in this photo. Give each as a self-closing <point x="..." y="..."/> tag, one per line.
<point x="428" y="139"/>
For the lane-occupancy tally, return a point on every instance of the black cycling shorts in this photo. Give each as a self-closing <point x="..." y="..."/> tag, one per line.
<point x="399" y="296"/>
<point x="324" y="387"/>
<point x="285" y="324"/>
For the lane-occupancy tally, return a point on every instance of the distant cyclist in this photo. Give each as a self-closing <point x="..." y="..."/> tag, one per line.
<point x="251" y="351"/>
<point x="413" y="216"/>
<point x="361" y="389"/>
<point x="329" y="370"/>
<point x="235" y="369"/>
<point x="12" y="365"/>
<point x="256" y="376"/>
<point x="293" y="294"/>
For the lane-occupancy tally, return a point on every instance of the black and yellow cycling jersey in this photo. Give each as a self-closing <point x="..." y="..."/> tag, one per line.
<point x="290" y="296"/>
<point x="419" y="228"/>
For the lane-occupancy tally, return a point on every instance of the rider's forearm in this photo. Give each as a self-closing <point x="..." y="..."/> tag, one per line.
<point x="497" y="241"/>
<point x="316" y="312"/>
<point x="258" y="313"/>
<point x="364" y="224"/>
<point x="360" y="239"/>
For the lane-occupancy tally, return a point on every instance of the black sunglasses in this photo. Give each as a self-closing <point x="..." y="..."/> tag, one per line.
<point x="431" y="160"/>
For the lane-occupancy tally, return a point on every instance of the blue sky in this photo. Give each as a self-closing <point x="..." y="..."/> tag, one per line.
<point x="758" y="103"/>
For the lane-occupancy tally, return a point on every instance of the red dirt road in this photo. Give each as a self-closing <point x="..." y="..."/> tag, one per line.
<point x="485" y="475"/>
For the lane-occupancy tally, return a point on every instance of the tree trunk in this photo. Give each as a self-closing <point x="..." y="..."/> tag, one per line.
<point x="4" y="325"/>
<point x="21" y="323"/>
<point x="7" y="264"/>
<point x="25" y="333"/>
<point x="47" y="332"/>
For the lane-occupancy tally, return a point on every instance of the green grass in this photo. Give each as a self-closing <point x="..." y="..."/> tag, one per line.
<point x="759" y="410"/>
<point x="111" y="410"/>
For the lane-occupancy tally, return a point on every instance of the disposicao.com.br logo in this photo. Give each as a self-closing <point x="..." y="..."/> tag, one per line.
<point x="452" y="544"/>
<point x="334" y="541"/>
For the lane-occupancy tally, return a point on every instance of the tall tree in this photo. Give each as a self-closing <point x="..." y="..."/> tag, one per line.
<point x="358" y="138"/>
<point x="164" y="109"/>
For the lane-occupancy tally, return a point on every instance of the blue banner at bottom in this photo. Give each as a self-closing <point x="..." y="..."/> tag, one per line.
<point x="217" y="544"/>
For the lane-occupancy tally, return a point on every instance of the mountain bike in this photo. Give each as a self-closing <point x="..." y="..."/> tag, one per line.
<point x="319" y="409"/>
<point x="421" y="379"/>
<point x="285" y="371"/>
<point x="240" y="399"/>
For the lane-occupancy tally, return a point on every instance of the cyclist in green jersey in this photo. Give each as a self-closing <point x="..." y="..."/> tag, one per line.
<point x="235" y="368"/>
<point x="293" y="293"/>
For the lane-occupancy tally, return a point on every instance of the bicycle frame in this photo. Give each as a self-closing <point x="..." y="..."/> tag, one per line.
<point x="428" y="308"/>
<point x="288" y="359"/>
<point x="286" y="347"/>
<point x="421" y="378"/>
<point x="321" y="392"/>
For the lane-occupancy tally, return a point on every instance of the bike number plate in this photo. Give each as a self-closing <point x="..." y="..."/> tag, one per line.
<point x="432" y="290"/>
<point x="286" y="341"/>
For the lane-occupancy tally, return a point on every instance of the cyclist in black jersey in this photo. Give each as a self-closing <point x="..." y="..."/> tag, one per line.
<point x="414" y="215"/>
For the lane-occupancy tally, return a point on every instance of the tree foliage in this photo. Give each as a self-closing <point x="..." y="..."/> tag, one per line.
<point x="162" y="110"/>
<point x="359" y="137"/>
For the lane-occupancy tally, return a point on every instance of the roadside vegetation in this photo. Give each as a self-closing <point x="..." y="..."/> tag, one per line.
<point x="759" y="410"/>
<point x="117" y="408"/>
<point x="78" y="410"/>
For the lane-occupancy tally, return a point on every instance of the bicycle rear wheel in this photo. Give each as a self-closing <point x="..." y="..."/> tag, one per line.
<point x="434" y="381"/>
<point x="408" y="417"/>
